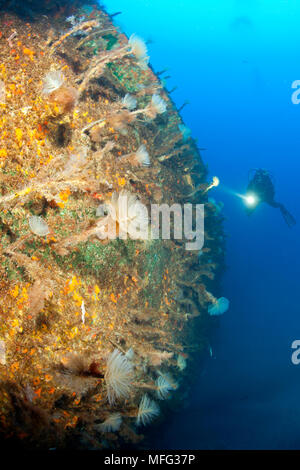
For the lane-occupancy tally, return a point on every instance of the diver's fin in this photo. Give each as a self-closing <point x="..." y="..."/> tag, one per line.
<point x="289" y="219"/>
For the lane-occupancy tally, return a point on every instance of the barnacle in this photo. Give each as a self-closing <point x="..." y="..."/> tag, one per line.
<point x="126" y="216"/>
<point x="111" y="424"/>
<point x="185" y="131"/>
<point x="118" y="376"/>
<point x="165" y="384"/>
<point x="219" y="307"/>
<point x="215" y="182"/>
<point x="52" y="82"/>
<point x="38" y="226"/>
<point x="129" y="102"/>
<point x="140" y="157"/>
<point x="138" y="48"/>
<point x="158" y="105"/>
<point x="147" y="411"/>
<point x="181" y="362"/>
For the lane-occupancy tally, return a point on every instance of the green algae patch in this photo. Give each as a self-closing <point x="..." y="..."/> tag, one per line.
<point x="105" y="262"/>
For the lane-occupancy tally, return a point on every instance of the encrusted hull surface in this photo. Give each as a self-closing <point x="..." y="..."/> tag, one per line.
<point x="69" y="299"/>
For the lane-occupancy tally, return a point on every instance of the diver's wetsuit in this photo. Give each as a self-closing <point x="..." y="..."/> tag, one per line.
<point x="262" y="186"/>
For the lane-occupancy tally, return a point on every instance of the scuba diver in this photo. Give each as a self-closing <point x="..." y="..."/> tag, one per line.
<point x="261" y="189"/>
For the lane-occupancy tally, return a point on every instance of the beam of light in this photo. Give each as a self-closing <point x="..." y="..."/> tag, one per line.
<point x="250" y="199"/>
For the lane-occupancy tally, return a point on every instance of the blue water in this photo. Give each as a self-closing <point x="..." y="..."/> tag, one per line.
<point x="235" y="61"/>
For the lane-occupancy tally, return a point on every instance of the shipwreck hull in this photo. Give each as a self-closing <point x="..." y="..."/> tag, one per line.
<point x="68" y="298"/>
